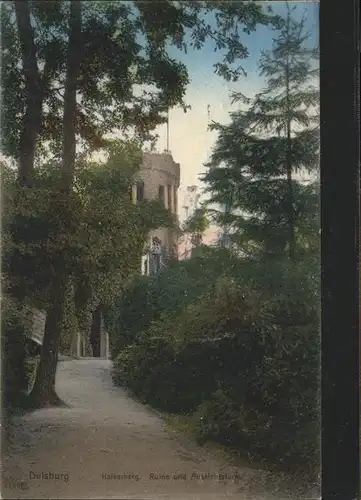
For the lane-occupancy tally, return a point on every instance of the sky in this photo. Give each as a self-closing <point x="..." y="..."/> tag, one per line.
<point x="189" y="140"/>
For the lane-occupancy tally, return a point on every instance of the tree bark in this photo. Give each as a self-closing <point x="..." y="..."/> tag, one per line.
<point x="34" y="94"/>
<point x="70" y="108"/>
<point x="43" y="393"/>
<point x="291" y="224"/>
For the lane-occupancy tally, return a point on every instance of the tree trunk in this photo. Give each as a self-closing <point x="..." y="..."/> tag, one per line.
<point x="291" y="224"/>
<point x="291" y="250"/>
<point x="69" y="118"/>
<point x="43" y="393"/>
<point x="34" y="94"/>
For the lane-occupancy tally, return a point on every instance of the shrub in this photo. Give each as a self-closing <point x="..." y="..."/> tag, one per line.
<point x="138" y="367"/>
<point x="16" y="320"/>
<point x="151" y="299"/>
<point x="242" y="359"/>
<point x="222" y="419"/>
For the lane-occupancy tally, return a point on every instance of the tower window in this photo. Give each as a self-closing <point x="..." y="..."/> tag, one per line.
<point x="170" y="198"/>
<point x="175" y="200"/>
<point x="161" y="192"/>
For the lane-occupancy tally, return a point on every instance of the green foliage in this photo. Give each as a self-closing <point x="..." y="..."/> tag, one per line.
<point x="196" y="225"/>
<point x="127" y="79"/>
<point x="241" y="357"/>
<point x="231" y="342"/>
<point x="16" y="322"/>
<point x="114" y="230"/>
<point x="97" y="232"/>
<point x="146" y="299"/>
<point x="149" y="299"/>
<point x="70" y="324"/>
<point x="15" y="314"/>
<point x="250" y="176"/>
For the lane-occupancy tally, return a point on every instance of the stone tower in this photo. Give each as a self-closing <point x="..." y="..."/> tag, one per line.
<point x="159" y="177"/>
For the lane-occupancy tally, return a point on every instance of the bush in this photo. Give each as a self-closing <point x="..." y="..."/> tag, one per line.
<point x="222" y="419"/>
<point x="131" y="313"/>
<point x="272" y="410"/>
<point x="16" y="320"/>
<point x="242" y="360"/>
<point x="139" y="367"/>
<point x="150" y="299"/>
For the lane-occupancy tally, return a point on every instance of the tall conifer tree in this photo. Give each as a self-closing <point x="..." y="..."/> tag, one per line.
<point x="252" y="169"/>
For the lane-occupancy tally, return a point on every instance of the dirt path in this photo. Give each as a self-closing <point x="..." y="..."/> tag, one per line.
<point x="106" y="445"/>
